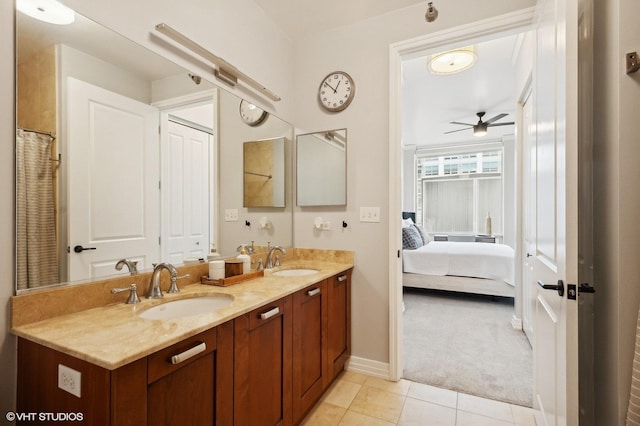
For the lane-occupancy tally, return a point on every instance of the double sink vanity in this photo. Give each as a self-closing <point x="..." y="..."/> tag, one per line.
<point x="260" y="352"/>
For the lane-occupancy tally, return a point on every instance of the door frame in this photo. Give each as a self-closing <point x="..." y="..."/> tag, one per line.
<point x="169" y="105"/>
<point x="510" y="23"/>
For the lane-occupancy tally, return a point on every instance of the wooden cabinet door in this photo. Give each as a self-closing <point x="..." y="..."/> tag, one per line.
<point x="182" y="391"/>
<point x="338" y="323"/>
<point x="309" y="343"/>
<point x="262" y="356"/>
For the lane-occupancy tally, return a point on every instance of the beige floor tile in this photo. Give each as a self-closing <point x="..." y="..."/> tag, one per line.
<point x="378" y="403"/>
<point x="324" y="414"/>
<point x="471" y="419"/>
<point x="351" y="418"/>
<point x="342" y="393"/>
<point x="523" y="416"/>
<point x="428" y="393"/>
<point x="401" y="387"/>
<point x="417" y="412"/>
<point x="486" y="407"/>
<point x="350" y="376"/>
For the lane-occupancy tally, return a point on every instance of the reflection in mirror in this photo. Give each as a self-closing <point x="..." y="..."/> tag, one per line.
<point x="93" y="204"/>
<point x="264" y="173"/>
<point x="321" y="164"/>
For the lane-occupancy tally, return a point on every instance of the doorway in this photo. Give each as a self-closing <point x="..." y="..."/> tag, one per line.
<point x="508" y="24"/>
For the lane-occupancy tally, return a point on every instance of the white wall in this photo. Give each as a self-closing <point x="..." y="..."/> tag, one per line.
<point x="617" y="201"/>
<point x="362" y="50"/>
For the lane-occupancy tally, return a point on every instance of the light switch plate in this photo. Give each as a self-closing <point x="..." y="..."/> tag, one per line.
<point x="231" y="215"/>
<point x="369" y="214"/>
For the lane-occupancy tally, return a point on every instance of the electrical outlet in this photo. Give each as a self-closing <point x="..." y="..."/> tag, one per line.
<point x="231" y="215"/>
<point x="69" y="380"/>
<point x="369" y="214"/>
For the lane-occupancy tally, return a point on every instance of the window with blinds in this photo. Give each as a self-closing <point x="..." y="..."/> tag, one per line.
<point x="456" y="192"/>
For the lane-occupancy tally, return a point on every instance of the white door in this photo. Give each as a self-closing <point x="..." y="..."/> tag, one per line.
<point x="529" y="289"/>
<point x="113" y="177"/>
<point x="185" y="193"/>
<point x="555" y="260"/>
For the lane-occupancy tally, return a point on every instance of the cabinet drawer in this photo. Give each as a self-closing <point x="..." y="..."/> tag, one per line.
<point x="160" y="363"/>
<point x="266" y="313"/>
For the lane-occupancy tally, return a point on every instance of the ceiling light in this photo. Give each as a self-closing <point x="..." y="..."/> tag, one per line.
<point x="480" y="129"/>
<point x="47" y="10"/>
<point x="452" y="61"/>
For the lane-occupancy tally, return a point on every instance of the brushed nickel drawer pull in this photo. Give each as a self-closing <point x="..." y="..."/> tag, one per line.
<point x="342" y="278"/>
<point x="272" y="313"/>
<point x="189" y="353"/>
<point x="313" y="292"/>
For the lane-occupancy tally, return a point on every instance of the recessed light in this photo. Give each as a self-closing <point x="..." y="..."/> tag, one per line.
<point x="47" y="10"/>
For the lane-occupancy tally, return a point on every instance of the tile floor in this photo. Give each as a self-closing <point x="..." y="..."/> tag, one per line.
<point x="357" y="399"/>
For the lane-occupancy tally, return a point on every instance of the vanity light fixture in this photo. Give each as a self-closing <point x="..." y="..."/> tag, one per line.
<point x="47" y="11"/>
<point x="223" y="70"/>
<point x="452" y="61"/>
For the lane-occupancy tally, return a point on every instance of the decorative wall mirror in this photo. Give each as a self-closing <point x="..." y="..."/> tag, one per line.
<point x="321" y="168"/>
<point x="107" y="190"/>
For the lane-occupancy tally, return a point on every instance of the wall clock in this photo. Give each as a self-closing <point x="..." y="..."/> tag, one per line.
<point x="251" y="114"/>
<point x="336" y="91"/>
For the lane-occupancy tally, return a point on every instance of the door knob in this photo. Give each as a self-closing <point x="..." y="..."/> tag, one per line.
<point x="558" y="287"/>
<point x="80" y="249"/>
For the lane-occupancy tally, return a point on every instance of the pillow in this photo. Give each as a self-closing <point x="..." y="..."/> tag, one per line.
<point x="411" y="238"/>
<point x="423" y="234"/>
<point x="407" y="222"/>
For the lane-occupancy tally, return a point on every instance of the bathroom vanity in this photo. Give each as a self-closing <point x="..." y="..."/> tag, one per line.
<point x="266" y="358"/>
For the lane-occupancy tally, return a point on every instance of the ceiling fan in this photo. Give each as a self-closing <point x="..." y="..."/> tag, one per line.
<point x="480" y="128"/>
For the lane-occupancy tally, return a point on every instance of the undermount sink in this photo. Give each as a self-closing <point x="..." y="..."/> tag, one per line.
<point x="187" y="307"/>
<point x="297" y="272"/>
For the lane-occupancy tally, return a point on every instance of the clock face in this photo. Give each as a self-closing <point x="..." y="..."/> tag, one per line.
<point x="336" y="91"/>
<point x="251" y="114"/>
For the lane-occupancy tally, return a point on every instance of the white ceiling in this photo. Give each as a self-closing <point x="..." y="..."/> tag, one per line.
<point x="298" y="18"/>
<point x="430" y="102"/>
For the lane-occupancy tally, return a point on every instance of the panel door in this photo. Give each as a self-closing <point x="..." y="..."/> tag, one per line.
<point x="185" y="193"/>
<point x="113" y="175"/>
<point x="555" y="260"/>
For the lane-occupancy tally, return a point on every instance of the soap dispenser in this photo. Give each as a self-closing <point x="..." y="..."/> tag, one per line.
<point x="246" y="260"/>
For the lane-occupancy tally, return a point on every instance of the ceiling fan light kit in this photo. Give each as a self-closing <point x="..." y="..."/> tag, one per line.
<point x="452" y="61"/>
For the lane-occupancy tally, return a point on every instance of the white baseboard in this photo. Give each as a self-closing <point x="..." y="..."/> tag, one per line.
<point x="368" y="367"/>
<point x="516" y="322"/>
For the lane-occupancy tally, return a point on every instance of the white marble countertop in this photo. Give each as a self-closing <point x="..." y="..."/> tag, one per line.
<point x="114" y="335"/>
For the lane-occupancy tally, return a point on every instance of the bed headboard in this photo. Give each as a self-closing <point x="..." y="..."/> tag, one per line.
<point x="409" y="215"/>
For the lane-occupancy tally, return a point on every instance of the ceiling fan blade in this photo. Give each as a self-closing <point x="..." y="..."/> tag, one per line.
<point x="462" y="124"/>
<point x="496" y="118"/>
<point x="500" y="124"/>
<point x="459" y="130"/>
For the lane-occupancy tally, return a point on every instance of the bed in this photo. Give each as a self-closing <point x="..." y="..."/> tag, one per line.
<point x="469" y="267"/>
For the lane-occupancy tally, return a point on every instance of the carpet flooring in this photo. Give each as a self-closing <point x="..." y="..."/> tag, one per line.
<point x="466" y="343"/>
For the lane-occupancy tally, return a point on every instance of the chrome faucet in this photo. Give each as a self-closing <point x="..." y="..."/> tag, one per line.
<point x="270" y="263"/>
<point x="131" y="265"/>
<point x="155" y="292"/>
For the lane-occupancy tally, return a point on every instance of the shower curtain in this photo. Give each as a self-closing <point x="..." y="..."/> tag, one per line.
<point x="37" y="258"/>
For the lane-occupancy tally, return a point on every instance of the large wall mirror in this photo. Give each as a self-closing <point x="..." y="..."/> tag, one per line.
<point x="321" y="168"/>
<point x="96" y="181"/>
